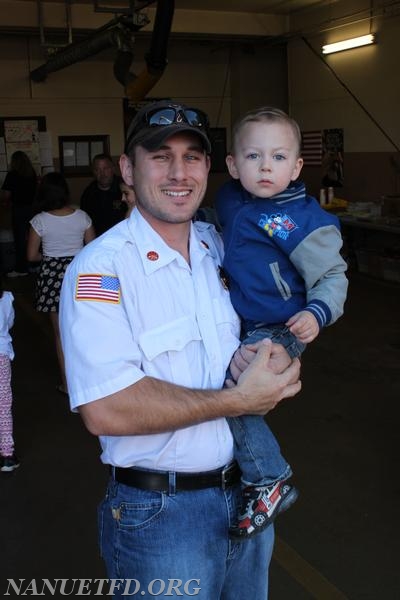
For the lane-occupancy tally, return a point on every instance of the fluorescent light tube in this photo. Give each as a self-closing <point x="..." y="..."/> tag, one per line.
<point x="363" y="40"/>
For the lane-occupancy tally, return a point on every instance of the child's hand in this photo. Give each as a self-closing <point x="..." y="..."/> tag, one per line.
<point x="304" y="326"/>
<point x="278" y="361"/>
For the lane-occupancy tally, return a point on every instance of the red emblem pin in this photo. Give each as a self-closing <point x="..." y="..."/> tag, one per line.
<point x="152" y="255"/>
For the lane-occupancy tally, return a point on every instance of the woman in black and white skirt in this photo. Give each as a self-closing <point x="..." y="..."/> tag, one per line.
<point x="56" y="235"/>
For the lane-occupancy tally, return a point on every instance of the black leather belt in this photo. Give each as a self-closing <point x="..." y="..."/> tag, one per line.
<point x="171" y="482"/>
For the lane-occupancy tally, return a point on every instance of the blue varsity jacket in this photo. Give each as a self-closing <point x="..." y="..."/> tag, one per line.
<point x="282" y="255"/>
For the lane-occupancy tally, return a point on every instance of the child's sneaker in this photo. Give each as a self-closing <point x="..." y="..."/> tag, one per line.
<point x="261" y="504"/>
<point x="8" y="463"/>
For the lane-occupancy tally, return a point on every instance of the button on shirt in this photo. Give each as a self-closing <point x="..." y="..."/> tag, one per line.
<point x="163" y="318"/>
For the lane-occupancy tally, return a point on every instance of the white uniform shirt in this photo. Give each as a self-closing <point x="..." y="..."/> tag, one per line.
<point x="6" y="322"/>
<point x="150" y="313"/>
<point x="62" y="235"/>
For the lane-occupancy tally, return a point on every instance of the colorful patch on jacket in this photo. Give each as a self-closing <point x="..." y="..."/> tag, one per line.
<point x="96" y="287"/>
<point x="279" y="225"/>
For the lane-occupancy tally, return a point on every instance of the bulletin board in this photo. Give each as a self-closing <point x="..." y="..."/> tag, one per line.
<point x="332" y="161"/>
<point x="29" y="135"/>
<point x="325" y="149"/>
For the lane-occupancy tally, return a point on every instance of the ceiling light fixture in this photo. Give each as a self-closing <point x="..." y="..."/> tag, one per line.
<point x="363" y="40"/>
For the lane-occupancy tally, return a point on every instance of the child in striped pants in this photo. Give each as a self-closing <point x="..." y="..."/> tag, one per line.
<point x="8" y="460"/>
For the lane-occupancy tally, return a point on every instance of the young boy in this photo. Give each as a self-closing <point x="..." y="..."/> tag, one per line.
<point x="287" y="281"/>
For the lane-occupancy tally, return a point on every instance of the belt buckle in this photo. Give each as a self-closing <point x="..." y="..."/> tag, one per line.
<point x="226" y="472"/>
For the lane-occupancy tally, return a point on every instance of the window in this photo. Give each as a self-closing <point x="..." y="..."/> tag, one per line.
<point x="77" y="152"/>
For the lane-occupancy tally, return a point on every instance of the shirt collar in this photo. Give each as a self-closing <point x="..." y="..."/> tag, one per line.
<point x="154" y="252"/>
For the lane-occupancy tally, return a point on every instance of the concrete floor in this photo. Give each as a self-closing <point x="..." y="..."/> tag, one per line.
<point x="339" y="541"/>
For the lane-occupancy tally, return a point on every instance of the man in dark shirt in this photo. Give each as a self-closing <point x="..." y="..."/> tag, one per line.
<point x="102" y="197"/>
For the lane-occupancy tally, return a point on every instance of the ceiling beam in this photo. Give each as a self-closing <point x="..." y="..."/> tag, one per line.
<point x="22" y="15"/>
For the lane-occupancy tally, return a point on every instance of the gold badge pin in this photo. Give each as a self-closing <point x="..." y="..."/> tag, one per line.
<point x="223" y="277"/>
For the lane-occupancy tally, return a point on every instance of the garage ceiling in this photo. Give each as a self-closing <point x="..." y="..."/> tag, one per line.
<point x="208" y="18"/>
<point x="284" y="7"/>
<point x="280" y="7"/>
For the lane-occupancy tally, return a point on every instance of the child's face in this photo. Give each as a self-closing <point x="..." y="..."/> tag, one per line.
<point x="128" y="195"/>
<point x="265" y="158"/>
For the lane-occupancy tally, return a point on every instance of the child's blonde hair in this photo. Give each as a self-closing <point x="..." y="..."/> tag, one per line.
<point x="270" y="115"/>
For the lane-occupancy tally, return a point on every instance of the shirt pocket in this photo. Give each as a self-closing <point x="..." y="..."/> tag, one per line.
<point x="228" y="328"/>
<point x="172" y="336"/>
<point x="224" y="313"/>
<point x="168" y="350"/>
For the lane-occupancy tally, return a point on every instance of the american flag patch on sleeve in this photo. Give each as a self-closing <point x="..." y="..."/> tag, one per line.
<point x="98" y="288"/>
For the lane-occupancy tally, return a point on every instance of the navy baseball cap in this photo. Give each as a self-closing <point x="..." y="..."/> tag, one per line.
<point x="156" y="122"/>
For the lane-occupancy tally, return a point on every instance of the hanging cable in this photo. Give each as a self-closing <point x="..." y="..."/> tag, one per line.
<point x="348" y="90"/>
<point x="227" y="72"/>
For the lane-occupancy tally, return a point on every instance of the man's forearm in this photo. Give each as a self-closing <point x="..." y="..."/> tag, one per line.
<point x="153" y="406"/>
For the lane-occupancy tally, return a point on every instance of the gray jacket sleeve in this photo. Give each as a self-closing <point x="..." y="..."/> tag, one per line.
<point x="317" y="258"/>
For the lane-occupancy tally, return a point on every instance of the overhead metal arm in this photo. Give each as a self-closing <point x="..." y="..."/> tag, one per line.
<point x="136" y="88"/>
<point x="119" y="33"/>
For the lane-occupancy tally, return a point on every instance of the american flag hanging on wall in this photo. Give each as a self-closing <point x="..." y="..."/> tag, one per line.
<point x="312" y="148"/>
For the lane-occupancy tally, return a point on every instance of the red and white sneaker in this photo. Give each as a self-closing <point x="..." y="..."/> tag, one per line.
<point x="261" y="504"/>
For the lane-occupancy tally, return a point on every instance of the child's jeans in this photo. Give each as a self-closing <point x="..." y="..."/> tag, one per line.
<point x="6" y="421"/>
<point x="256" y="448"/>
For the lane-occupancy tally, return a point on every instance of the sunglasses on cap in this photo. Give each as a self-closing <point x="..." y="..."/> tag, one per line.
<point x="152" y="125"/>
<point x="157" y="117"/>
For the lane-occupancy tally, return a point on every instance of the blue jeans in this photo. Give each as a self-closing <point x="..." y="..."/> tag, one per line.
<point x="160" y="541"/>
<point x="256" y="448"/>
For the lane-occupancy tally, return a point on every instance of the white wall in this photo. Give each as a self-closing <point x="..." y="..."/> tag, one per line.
<point x="224" y="79"/>
<point x="319" y="101"/>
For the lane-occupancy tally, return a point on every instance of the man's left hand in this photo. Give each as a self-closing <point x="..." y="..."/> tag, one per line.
<point x="278" y="362"/>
